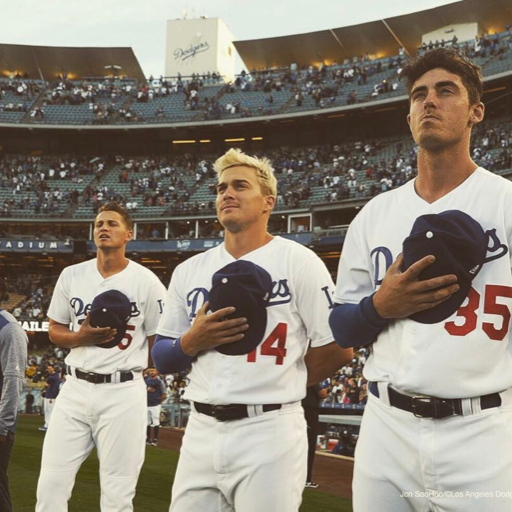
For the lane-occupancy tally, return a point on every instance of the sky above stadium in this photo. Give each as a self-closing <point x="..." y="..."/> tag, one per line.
<point x="141" y="25"/>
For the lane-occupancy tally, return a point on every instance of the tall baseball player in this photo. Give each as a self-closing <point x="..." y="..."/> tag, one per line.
<point x="156" y="395"/>
<point x="245" y="446"/>
<point x="437" y="430"/>
<point x="103" y="402"/>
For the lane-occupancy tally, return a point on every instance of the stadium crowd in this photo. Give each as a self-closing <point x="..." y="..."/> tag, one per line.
<point x="357" y="79"/>
<point x="32" y="182"/>
<point x="327" y="173"/>
<point x="347" y="388"/>
<point x="37" y="296"/>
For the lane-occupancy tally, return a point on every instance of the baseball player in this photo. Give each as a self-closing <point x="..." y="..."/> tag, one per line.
<point x="103" y="402"/>
<point x="437" y="430"/>
<point x="13" y="361"/>
<point x="51" y="393"/>
<point x="245" y="445"/>
<point x="156" y="395"/>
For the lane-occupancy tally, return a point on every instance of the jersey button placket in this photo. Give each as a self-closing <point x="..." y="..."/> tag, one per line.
<point x="414" y="332"/>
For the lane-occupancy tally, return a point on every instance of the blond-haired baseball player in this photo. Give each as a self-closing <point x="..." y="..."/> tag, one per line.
<point x="245" y="446"/>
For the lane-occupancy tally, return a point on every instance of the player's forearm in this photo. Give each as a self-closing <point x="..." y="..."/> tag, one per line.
<point x="324" y="362"/>
<point x="169" y="356"/>
<point x="356" y="325"/>
<point x="61" y="336"/>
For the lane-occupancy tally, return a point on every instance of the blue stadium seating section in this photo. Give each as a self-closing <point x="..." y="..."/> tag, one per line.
<point x="253" y="102"/>
<point x="387" y="163"/>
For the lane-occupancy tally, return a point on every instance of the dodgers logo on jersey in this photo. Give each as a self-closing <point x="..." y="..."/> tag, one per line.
<point x="280" y="293"/>
<point x="195" y="301"/>
<point x="81" y="309"/>
<point x="494" y="246"/>
<point x="382" y="258"/>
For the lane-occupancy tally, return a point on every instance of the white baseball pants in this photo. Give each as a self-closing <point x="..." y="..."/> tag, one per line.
<point x="454" y="464"/>
<point x="111" y="416"/>
<point x="250" y="465"/>
<point x="154" y="415"/>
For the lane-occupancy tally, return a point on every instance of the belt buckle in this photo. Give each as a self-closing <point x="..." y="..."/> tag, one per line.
<point x="91" y="377"/>
<point x="225" y="412"/>
<point x="441" y="408"/>
<point x="414" y="406"/>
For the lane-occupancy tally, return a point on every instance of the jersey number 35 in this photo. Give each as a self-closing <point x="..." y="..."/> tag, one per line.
<point x="491" y="307"/>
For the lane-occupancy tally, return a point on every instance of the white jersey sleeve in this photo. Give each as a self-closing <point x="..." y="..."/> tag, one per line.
<point x="314" y="289"/>
<point x="153" y="307"/>
<point x="175" y="319"/>
<point x="354" y="280"/>
<point x="59" y="310"/>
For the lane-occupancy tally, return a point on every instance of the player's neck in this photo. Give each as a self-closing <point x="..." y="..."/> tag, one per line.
<point x="441" y="172"/>
<point x="110" y="263"/>
<point x="240" y="244"/>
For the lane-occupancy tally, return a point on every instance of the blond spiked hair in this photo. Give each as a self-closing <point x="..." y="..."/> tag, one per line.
<point x="264" y="170"/>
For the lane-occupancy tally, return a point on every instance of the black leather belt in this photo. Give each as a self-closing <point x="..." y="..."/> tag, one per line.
<point x="430" y="406"/>
<point x="98" y="378"/>
<point x="231" y="411"/>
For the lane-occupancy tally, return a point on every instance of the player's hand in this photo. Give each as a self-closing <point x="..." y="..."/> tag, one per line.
<point x="88" y="335"/>
<point x="210" y="331"/>
<point x="402" y="294"/>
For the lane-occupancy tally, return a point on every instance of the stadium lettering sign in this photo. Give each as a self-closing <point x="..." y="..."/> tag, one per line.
<point x="7" y="245"/>
<point x="191" y="51"/>
<point x="35" y="326"/>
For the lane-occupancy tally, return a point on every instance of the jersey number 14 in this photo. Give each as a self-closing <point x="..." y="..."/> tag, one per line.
<point x="274" y="345"/>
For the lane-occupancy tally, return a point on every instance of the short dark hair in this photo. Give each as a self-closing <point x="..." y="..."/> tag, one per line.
<point x="451" y="60"/>
<point x="112" y="206"/>
<point x="3" y="288"/>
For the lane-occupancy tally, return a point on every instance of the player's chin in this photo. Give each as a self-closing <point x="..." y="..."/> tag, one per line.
<point x="230" y="223"/>
<point x="107" y="244"/>
<point x="433" y="141"/>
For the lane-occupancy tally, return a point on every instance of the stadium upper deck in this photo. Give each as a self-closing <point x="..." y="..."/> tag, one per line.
<point x="261" y="93"/>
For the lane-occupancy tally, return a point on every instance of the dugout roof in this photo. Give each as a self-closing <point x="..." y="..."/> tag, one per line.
<point x="381" y="37"/>
<point x="47" y="62"/>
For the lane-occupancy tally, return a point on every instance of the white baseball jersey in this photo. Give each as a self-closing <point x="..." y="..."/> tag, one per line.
<point x="89" y="414"/>
<point x="470" y="353"/>
<point x="298" y="310"/>
<point x="77" y="287"/>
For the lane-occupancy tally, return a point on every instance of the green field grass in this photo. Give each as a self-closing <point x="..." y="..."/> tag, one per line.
<point x="153" y="489"/>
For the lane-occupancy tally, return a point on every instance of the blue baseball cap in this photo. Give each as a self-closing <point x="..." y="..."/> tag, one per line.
<point x="111" y="309"/>
<point x="459" y="245"/>
<point x="247" y="287"/>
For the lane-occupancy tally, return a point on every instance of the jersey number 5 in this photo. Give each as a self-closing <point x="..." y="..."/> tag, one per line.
<point x="491" y="307"/>
<point x="128" y="338"/>
<point x="274" y="345"/>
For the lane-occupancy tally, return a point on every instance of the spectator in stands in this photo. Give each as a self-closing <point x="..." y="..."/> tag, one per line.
<point x="51" y="392"/>
<point x="29" y="402"/>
